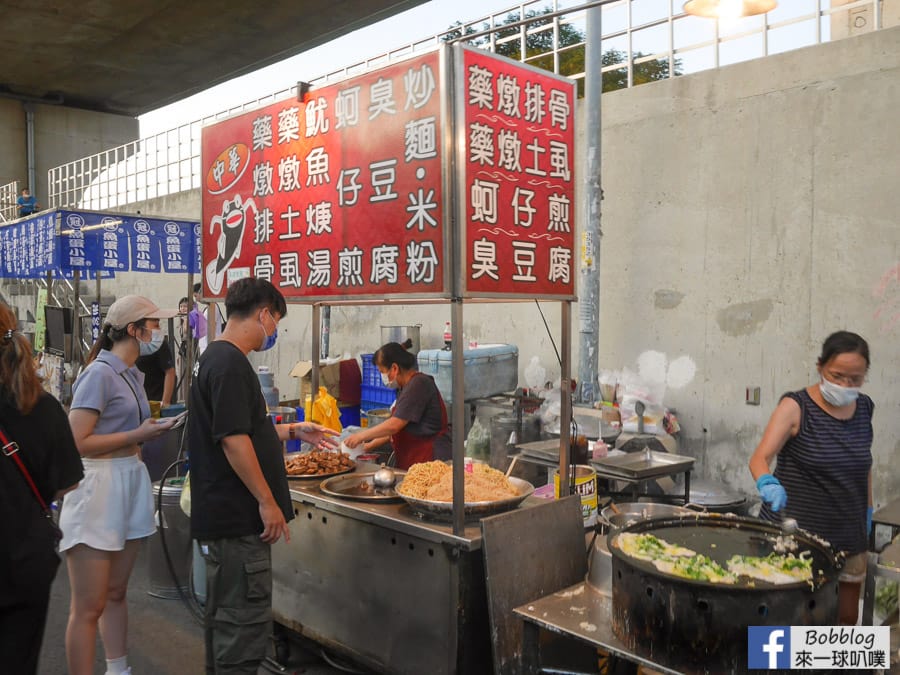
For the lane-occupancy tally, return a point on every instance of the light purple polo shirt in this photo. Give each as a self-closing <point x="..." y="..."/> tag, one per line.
<point x="115" y="391"/>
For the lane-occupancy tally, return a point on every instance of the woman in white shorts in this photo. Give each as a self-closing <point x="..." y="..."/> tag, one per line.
<point x="106" y="517"/>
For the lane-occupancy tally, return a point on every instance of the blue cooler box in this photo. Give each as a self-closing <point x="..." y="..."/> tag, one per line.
<point x="488" y="370"/>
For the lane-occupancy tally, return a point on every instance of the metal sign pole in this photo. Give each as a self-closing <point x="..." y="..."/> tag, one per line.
<point x="458" y="388"/>
<point x="565" y="399"/>
<point x="188" y="338"/>
<point x="316" y="344"/>
<point x="76" y="318"/>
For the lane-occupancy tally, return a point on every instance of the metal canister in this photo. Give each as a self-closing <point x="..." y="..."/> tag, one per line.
<point x="586" y="487"/>
<point x="507" y="431"/>
<point x="176" y="528"/>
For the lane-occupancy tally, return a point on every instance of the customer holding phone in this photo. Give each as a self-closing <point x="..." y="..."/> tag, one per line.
<point x="107" y="516"/>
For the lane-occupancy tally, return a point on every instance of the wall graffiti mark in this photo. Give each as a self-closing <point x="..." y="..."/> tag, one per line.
<point x="887" y="291"/>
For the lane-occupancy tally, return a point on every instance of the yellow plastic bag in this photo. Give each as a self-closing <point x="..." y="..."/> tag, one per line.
<point x="185" y="501"/>
<point x="324" y="410"/>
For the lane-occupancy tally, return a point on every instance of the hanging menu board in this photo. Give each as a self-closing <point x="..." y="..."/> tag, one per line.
<point x="345" y="195"/>
<point x="338" y="196"/>
<point x="516" y="178"/>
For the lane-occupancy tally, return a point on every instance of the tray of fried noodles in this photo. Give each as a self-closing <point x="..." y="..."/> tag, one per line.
<point x="428" y="489"/>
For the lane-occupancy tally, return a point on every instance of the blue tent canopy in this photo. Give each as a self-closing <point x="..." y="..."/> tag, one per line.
<point x="97" y="244"/>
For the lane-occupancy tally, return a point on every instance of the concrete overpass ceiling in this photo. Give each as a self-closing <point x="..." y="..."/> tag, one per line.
<point x="132" y="57"/>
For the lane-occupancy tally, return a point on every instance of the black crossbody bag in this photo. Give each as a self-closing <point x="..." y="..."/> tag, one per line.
<point x="11" y="450"/>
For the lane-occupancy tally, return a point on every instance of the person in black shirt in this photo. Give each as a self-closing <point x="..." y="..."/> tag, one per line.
<point x="239" y="490"/>
<point x="158" y="366"/>
<point x="37" y="423"/>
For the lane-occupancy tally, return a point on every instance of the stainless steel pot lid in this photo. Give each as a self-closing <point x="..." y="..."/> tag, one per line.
<point x="708" y="493"/>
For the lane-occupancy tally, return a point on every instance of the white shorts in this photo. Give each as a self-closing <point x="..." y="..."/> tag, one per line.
<point x="112" y="504"/>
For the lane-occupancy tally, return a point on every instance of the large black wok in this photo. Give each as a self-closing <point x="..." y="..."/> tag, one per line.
<point x="685" y="622"/>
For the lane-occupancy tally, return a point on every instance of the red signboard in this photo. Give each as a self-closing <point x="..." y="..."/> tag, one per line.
<point x="517" y="183"/>
<point x="339" y="196"/>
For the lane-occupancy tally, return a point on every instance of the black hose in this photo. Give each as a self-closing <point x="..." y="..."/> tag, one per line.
<point x="189" y="601"/>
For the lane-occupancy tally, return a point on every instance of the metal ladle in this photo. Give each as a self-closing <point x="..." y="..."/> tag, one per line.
<point x="789" y="526"/>
<point x="384" y="477"/>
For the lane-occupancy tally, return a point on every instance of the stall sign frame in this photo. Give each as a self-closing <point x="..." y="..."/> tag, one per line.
<point x="388" y="130"/>
<point x="227" y="161"/>
<point x="515" y="178"/>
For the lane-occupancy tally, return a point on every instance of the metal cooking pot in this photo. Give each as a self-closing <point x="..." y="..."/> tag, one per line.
<point x="713" y="496"/>
<point x="684" y="622"/>
<point x="631" y="512"/>
<point x="599" y="575"/>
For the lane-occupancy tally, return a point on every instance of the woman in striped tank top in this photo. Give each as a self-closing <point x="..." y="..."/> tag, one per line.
<point x="822" y="436"/>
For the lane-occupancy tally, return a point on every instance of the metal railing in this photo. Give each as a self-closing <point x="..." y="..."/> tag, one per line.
<point x="8" y="195"/>
<point x="643" y="40"/>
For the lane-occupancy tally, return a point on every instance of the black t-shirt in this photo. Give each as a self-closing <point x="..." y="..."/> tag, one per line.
<point x="48" y="451"/>
<point x="226" y="400"/>
<point x="154" y="367"/>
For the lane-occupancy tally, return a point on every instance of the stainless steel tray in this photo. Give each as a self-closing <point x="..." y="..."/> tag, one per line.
<point x="646" y="464"/>
<point x="473" y="510"/>
<point x="320" y="476"/>
<point x="548" y="449"/>
<point x="359" y="487"/>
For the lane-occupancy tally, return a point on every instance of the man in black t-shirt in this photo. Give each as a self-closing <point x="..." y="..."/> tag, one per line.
<point x="239" y="491"/>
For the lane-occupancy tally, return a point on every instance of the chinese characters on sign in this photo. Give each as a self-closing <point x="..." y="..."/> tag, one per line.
<point x="105" y="244"/>
<point x="518" y="186"/>
<point x="28" y="249"/>
<point x="338" y="196"/>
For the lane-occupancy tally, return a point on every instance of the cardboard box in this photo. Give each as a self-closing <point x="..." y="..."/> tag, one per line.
<point x="329" y="377"/>
<point x="345" y="389"/>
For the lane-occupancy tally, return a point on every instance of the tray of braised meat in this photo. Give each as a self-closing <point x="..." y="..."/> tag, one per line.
<point x="318" y="464"/>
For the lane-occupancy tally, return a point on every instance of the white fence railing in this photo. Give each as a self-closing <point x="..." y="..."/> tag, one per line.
<point x="643" y="40"/>
<point x="8" y="195"/>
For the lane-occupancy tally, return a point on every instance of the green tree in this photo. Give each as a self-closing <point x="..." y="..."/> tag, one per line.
<point x="539" y="50"/>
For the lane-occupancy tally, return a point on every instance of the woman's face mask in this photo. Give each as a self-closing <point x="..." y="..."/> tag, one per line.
<point x="837" y="395"/>
<point x="387" y="382"/>
<point x="268" y="340"/>
<point x="156" y="340"/>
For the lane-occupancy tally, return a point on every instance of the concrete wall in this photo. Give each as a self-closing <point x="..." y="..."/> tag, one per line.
<point x="61" y="135"/>
<point x="749" y="212"/>
<point x="12" y="142"/>
<point x="860" y="20"/>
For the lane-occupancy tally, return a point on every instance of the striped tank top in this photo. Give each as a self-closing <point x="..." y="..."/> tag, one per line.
<point x="825" y="471"/>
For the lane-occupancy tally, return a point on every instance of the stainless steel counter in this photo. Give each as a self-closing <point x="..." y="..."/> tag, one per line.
<point x="580" y="613"/>
<point x="380" y="585"/>
<point x="395" y="516"/>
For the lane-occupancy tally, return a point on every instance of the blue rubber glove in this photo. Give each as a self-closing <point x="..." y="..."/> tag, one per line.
<point x="772" y="491"/>
<point x="869" y="512"/>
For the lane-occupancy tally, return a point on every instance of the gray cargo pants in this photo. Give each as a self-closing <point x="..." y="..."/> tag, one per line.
<point x="238" y="616"/>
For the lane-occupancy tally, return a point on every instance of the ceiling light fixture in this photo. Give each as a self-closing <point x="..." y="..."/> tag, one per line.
<point x="728" y="9"/>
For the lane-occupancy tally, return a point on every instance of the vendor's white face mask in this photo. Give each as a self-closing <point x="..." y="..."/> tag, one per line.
<point x="837" y="395"/>
<point x="387" y="382"/>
